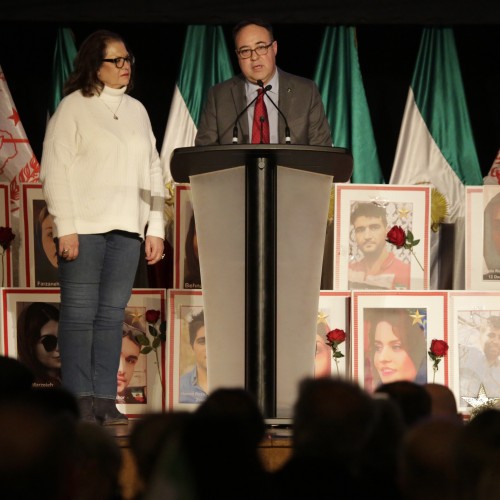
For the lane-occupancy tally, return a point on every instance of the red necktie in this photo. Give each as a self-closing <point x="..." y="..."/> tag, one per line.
<point x="260" y="128"/>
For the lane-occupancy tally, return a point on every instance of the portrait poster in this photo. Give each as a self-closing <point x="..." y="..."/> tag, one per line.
<point x="363" y="259"/>
<point x="333" y="314"/>
<point x="475" y="338"/>
<point x="186" y="261"/>
<point x="392" y="333"/>
<point x="38" y="249"/>
<point x="6" y="264"/>
<point x="482" y="238"/>
<point x="23" y="309"/>
<point x="187" y="359"/>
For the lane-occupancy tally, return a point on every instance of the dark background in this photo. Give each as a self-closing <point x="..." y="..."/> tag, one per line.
<point x="388" y="34"/>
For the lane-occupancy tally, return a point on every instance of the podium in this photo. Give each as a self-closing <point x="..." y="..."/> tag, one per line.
<point x="261" y="164"/>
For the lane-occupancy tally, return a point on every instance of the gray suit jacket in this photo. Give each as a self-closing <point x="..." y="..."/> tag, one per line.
<point x="299" y="100"/>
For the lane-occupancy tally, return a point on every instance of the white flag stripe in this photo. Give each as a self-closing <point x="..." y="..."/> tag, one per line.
<point x="419" y="160"/>
<point x="180" y="131"/>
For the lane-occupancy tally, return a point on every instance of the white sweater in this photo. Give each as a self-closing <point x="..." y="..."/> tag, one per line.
<point x="100" y="174"/>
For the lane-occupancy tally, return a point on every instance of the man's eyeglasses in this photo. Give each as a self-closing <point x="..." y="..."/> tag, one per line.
<point x="49" y="342"/>
<point x="260" y="50"/>
<point x="119" y="62"/>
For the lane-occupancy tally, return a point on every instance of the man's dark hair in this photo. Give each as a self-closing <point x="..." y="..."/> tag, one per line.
<point x="195" y="324"/>
<point x="368" y="209"/>
<point x="258" y="22"/>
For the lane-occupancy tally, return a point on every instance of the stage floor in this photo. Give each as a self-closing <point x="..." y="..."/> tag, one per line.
<point x="274" y="451"/>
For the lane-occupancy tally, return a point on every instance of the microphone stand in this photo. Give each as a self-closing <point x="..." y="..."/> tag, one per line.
<point x="287" y="128"/>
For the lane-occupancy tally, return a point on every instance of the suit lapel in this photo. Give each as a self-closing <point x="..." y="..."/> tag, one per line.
<point x="239" y="100"/>
<point x="286" y="95"/>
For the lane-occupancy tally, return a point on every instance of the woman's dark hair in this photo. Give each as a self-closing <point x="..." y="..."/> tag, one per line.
<point x="88" y="61"/>
<point x="29" y="325"/>
<point x="412" y="336"/>
<point x="192" y="264"/>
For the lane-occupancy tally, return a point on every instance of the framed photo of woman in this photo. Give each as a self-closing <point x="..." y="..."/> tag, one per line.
<point x="6" y="264"/>
<point x="186" y="261"/>
<point x="363" y="258"/>
<point x="392" y="334"/>
<point x="475" y="338"/>
<point x="187" y="354"/>
<point x="38" y="249"/>
<point x="29" y="327"/>
<point x="333" y="314"/>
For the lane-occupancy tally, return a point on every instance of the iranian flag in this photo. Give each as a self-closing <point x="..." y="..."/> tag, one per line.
<point x="493" y="176"/>
<point x="338" y="76"/>
<point x="436" y="146"/>
<point x="62" y="66"/>
<point x="205" y="62"/>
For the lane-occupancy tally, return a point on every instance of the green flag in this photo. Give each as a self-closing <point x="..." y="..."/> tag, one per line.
<point x="338" y="77"/>
<point x="64" y="56"/>
<point x="435" y="144"/>
<point x="205" y="62"/>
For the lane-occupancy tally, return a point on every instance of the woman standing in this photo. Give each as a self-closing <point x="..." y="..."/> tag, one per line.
<point x="103" y="184"/>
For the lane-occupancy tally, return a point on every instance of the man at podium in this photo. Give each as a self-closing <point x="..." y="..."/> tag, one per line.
<point x="262" y="104"/>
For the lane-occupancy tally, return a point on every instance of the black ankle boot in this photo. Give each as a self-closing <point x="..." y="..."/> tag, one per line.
<point x="86" y="407"/>
<point x="106" y="412"/>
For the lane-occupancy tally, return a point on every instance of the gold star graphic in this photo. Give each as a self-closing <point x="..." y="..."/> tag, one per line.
<point x="136" y="317"/>
<point x="482" y="399"/>
<point x="417" y="318"/>
<point x="322" y="317"/>
<point x="403" y="212"/>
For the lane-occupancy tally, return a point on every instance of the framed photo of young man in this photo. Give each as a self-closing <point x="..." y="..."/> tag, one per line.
<point x="6" y="263"/>
<point x="366" y="217"/>
<point x="392" y="334"/>
<point x="186" y="261"/>
<point x="475" y="338"/>
<point x="482" y="237"/>
<point x="187" y="359"/>
<point x="38" y="249"/>
<point x="30" y="327"/>
<point x="333" y="316"/>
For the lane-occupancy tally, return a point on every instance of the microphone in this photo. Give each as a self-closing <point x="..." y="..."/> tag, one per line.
<point x="235" y="128"/>
<point x="287" y="128"/>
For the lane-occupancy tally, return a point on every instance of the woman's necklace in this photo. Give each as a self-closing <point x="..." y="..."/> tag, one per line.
<point x="116" y="110"/>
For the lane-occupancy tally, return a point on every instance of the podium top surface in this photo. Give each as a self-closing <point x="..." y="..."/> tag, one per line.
<point x="320" y="159"/>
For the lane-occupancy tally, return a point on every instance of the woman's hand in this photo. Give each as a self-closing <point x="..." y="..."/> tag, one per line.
<point x="68" y="246"/>
<point x="154" y="249"/>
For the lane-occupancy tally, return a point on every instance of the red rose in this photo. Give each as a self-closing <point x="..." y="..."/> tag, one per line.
<point x="397" y="236"/>
<point x="439" y="348"/>
<point x="335" y="336"/>
<point x="152" y="316"/>
<point x="6" y="237"/>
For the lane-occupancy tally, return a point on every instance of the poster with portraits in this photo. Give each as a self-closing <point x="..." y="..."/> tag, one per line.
<point x="333" y="314"/>
<point x="29" y="332"/>
<point x="186" y="261"/>
<point x="7" y="263"/>
<point x="392" y="333"/>
<point x="38" y="249"/>
<point x="187" y="354"/>
<point x="364" y="215"/>
<point x="475" y="340"/>
<point x="482" y="237"/>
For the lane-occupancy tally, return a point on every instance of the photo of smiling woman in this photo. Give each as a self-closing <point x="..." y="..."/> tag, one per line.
<point x="396" y="346"/>
<point x="37" y="347"/>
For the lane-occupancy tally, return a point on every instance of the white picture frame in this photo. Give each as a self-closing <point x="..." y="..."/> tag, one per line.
<point x="404" y="206"/>
<point x="423" y="316"/>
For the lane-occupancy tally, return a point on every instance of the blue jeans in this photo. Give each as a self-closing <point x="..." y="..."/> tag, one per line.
<point x="95" y="289"/>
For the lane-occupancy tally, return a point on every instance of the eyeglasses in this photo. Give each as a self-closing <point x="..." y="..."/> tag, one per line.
<point x="119" y="62"/>
<point x="260" y="50"/>
<point x="49" y="342"/>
